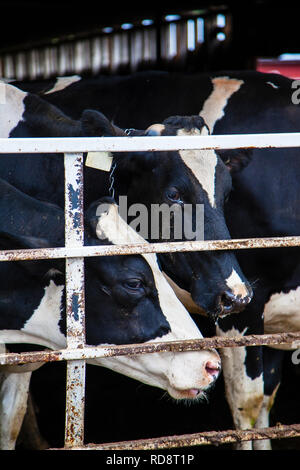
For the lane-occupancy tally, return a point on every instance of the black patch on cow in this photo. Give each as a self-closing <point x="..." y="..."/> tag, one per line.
<point x="273" y="359"/>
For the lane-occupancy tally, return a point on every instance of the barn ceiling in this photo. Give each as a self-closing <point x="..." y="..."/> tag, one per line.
<point x="30" y="21"/>
<point x="263" y="27"/>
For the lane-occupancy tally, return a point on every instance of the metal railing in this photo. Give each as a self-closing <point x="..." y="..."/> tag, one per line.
<point x="77" y="352"/>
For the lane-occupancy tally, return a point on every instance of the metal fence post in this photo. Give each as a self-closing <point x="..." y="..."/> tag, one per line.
<point x="75" y="308"/>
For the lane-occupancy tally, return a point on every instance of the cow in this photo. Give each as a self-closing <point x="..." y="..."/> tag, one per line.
<point x="215" y="280"/>
<point x="25" y="115"/>
<point x="127" y="301"/>
<point x="263" y="201"/>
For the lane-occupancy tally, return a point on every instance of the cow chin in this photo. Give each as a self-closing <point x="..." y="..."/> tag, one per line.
<point x="185" y="375"/>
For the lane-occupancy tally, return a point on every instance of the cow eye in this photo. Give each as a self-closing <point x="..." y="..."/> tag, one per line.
<point x="173" y="195"/>
<point x="133" y="284"/>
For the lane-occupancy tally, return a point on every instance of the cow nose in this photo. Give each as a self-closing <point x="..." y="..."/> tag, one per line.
<point x="228" y="302"/>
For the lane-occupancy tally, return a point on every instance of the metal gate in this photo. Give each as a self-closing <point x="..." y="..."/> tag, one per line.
<point x="77" y="352"/>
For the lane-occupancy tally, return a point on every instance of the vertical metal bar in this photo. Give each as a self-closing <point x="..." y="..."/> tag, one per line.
<point x="75" y="308"/>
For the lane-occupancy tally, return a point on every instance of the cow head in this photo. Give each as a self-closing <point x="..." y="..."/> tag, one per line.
<point x="127" y="298"/>
<point x="185" y="179"/>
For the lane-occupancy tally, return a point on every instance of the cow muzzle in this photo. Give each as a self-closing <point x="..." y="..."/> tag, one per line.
<point x="191" y="387"/>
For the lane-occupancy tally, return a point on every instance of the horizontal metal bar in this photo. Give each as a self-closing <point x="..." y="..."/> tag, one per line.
<point x="165" y="247"/>
<point x="280" y="431"/>
<point x="92" y="352"/>
<point x="132" y="144"/>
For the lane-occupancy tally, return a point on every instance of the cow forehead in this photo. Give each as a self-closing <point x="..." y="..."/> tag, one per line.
<point x="115" y="229"/>
<point x="202" y="164"/>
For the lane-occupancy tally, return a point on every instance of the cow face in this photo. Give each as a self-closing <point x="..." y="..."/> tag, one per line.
<point x="127" y="299"/>
<point x="186" y="179"/>
<point x="141" y="295"/>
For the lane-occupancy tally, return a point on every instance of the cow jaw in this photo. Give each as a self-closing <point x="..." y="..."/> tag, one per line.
<point x="184" y="375"/>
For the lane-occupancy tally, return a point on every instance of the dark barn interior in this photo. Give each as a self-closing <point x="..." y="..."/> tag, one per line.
<point x="118" y="408"/>
<point x="251" y="30"/>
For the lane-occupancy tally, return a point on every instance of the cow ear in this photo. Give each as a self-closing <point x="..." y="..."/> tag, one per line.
<point x="91" y="216"/>
<point x="236" y="159"/>
<point x="13" y="241"/>
<point x="95" y="124"/>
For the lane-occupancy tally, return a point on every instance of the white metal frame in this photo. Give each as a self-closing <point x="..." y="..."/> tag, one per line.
<point x="77" y="352"/>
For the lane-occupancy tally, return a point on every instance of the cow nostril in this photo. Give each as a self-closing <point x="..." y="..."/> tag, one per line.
<point x="229" y="303"/>
<point x="212" y="369"/>
<point x="227" y="299"/>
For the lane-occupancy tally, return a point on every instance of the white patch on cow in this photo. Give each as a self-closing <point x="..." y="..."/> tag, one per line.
<point x="263" y="421"/>
<point x="202" y="164"/>
<point x="62" y="83"/>
<point x="272" y="85"/>
<point x="156" y="128"/>
<point x="42" y="327"/>
<point x="244" y="395"/>
<point x="282" y="314"/>
<point x="213" y="108"/>
<point x="8" y="80"/>
<point x="236" y="285"/>
<point x="170" y="371"/>
<point x="44" y="322"/>
<point x="11" y="110"/>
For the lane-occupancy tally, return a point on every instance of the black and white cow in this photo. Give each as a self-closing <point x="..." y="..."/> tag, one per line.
<point x="263" y="203"/>
<point x="127" y="301"/>
<point x="215" y="280"/>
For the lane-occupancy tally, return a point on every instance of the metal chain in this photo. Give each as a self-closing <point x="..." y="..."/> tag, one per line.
<point x="111" y="181"/>
<point x="111" y="177"/>
<point x="128" y="131"/>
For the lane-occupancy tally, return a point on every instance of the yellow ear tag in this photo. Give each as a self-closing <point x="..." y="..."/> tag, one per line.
<point x="99" y="160"/>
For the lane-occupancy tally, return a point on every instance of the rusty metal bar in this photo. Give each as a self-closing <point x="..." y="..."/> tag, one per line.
<point x="164" y="247"/>
<point x="216" y="438"/>
<point x="145" y="143"/>
<point x="75" y="307"/>
<point x="91" y="352"/>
